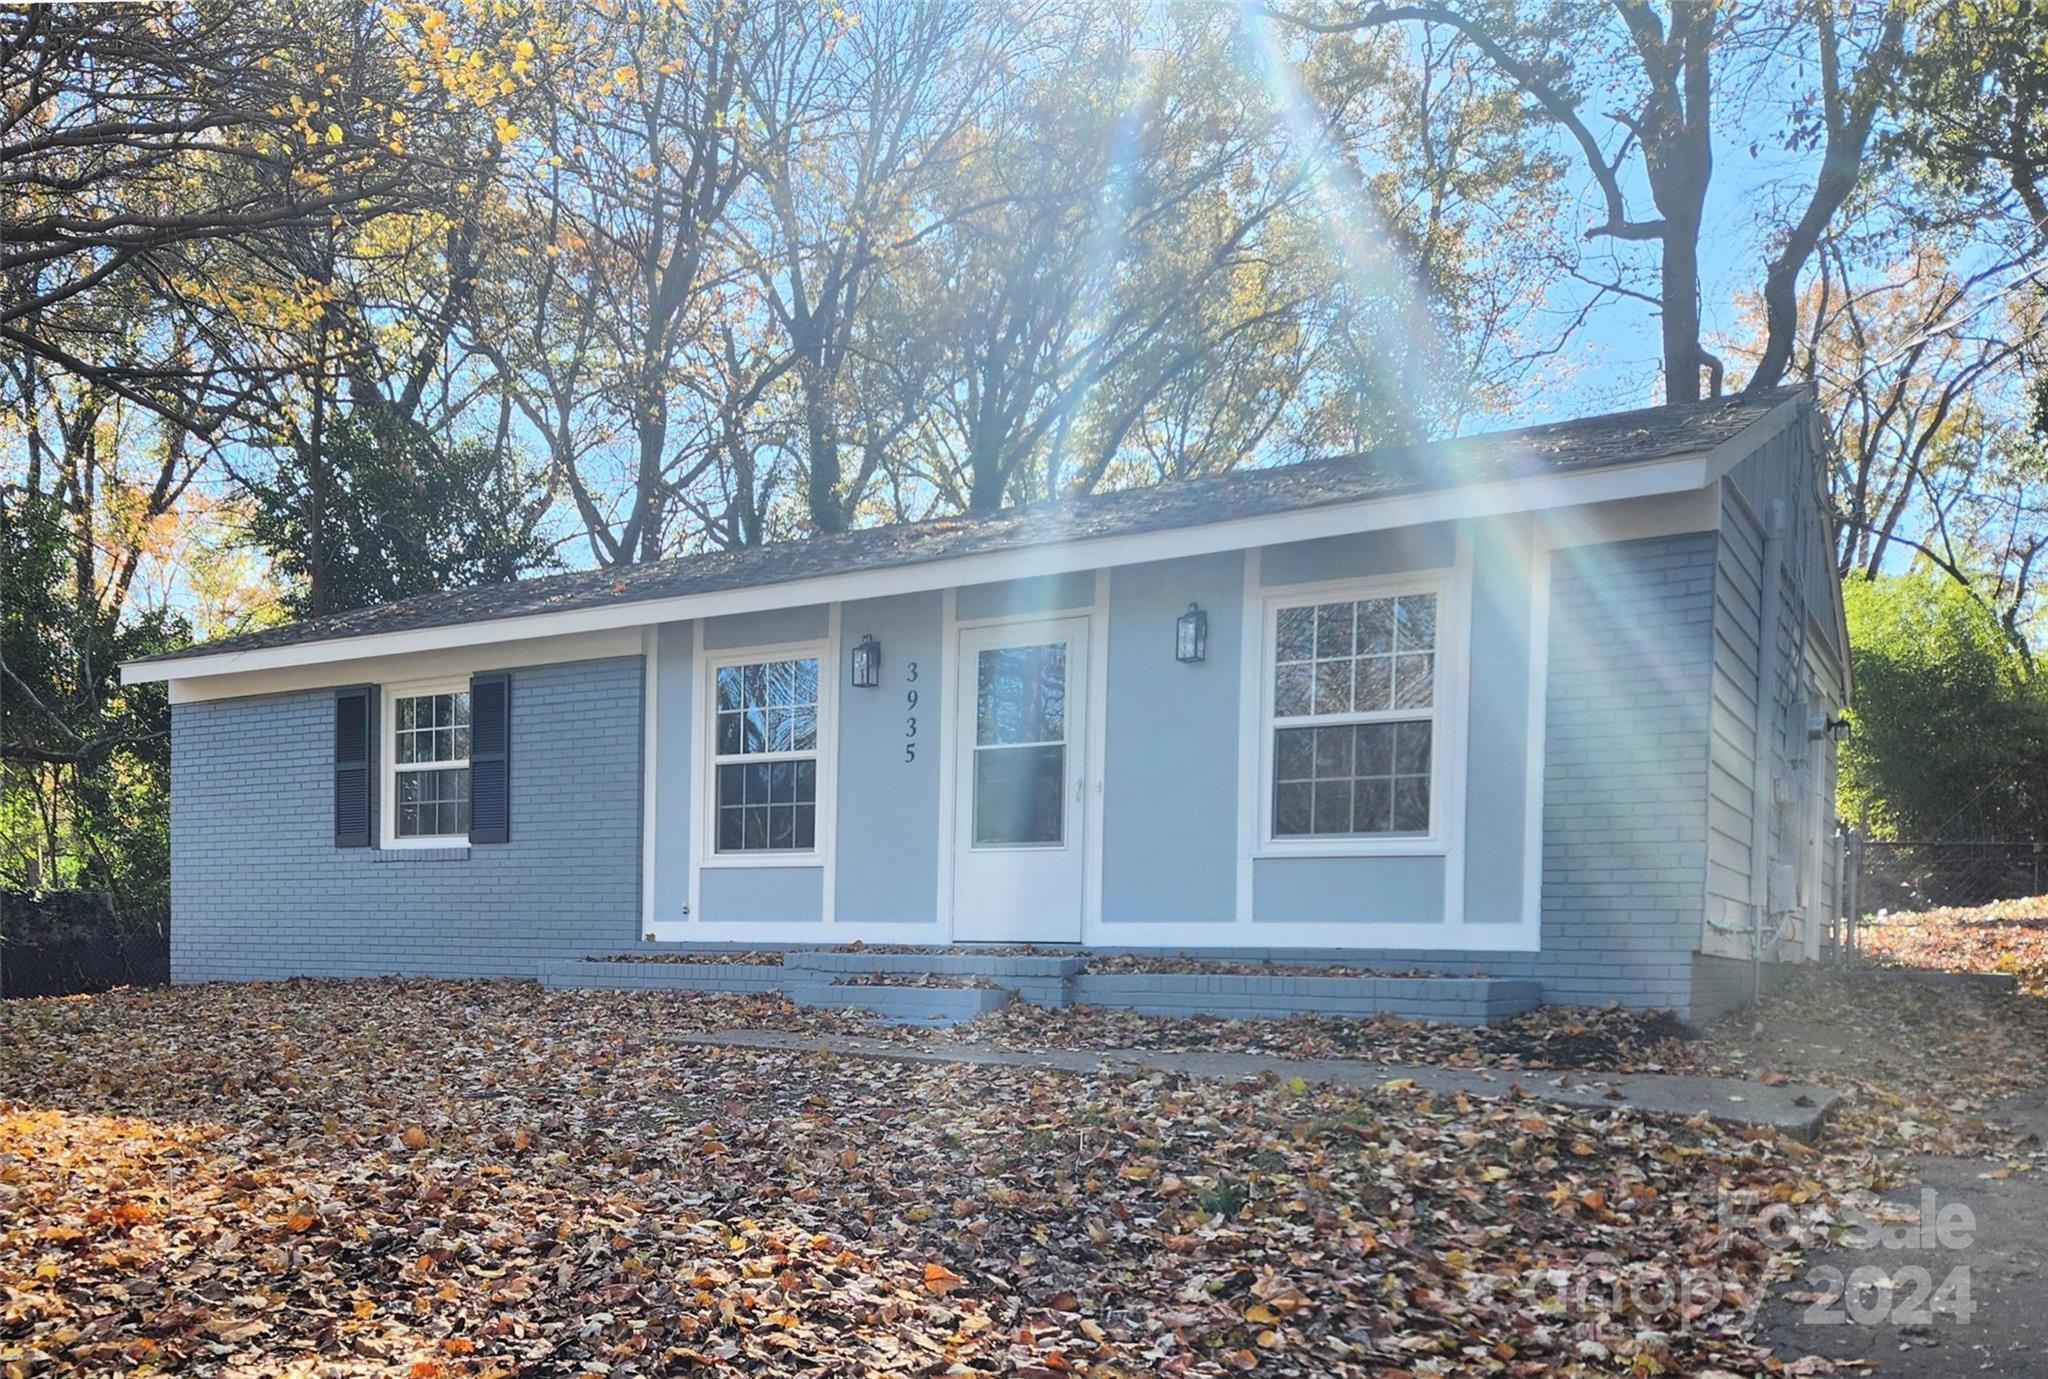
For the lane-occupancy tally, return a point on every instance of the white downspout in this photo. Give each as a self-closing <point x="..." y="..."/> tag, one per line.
<point x="1761" y="805"/>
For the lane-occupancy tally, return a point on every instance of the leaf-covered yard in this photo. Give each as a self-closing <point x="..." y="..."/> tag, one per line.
<point x="2009" y="936"/>
<point x="439" y="1178"/>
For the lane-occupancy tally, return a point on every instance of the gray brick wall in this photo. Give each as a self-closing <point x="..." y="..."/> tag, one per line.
<point x="1625" y="772"/>
<point x="258" y="889"/>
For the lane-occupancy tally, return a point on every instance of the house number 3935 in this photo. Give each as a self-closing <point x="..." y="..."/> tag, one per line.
<point x="910" y="712"/>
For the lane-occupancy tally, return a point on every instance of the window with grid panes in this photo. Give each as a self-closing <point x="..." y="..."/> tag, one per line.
<point x="1354" y="717"/>
<point x="765" y="756"/>
<point x="430" y="757"/>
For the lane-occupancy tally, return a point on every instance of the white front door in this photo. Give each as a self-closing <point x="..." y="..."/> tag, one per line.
<point x="1019" y="862"/>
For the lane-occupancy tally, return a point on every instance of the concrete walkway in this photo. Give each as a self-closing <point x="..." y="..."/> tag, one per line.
<point x="1793" y="1109"/>
<point x="1985" y="1316"/>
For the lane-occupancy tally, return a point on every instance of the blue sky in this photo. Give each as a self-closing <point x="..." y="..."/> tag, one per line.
<point x="1616" y="361"/>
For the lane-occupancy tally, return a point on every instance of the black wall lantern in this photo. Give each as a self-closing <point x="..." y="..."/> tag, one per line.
<point x="867" y="663"/>
<point x="1191" y="635"/>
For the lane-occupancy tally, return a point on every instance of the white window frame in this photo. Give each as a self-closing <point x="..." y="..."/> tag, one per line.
<point x="705" y="803"/>
<point x="1446" y="717"/>
<point x="387" y="763"/>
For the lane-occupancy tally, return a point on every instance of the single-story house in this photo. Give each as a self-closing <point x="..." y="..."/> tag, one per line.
<point x="1554" y="704"/>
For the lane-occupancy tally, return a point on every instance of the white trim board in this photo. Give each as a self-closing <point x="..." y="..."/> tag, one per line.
<point x="1251" y="674"/>
<point x="1535" y="735"/>
<point x="949" y="652"/>
<point x="1618" y="482"/>
<point x="1096" y="749"/>
<point x="700" y="737"/>
<point x="650" y="770"/>
<point x="1449" y="940"/>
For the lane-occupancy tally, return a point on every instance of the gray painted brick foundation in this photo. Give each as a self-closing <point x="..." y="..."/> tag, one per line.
<point x="924" y="1005"/>
<point x="1450" y="1000"/>
<point x="260" y="891"/>
<point x="807" y="977"/>
<point x="725" y="978"/>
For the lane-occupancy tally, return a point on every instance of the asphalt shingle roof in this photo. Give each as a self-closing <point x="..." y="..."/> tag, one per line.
<point x="1555" y="448"/>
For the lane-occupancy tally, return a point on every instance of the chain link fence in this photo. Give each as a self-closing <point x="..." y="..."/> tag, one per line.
<point x="1904" y="876"/>
<point x="1928" y="874"/>
<point x="59" y="943"/>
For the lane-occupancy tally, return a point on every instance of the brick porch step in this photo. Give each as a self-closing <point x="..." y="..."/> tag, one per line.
<point x="1061" y="980"/>
<point x="1233" y="995"/>
<point x="905" y="1005"/>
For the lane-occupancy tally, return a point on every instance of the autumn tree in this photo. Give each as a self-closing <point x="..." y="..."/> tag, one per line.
<point x="82" y="758"/>
<point x="620" y="186"/>
<point x="1631" y="90"/>
<point x="361" y="309"/>
<point x="1113" y="201"/>
<point x="854" y="129"/>
<point x="187" y="187"/>
<point x="138" y="144"/>
<point x="1974" y="104"/>
<point x="405" y="515"/>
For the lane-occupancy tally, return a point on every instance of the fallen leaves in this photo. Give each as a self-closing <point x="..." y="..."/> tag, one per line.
<point x="2009" y="936"/>
<point x="940" y="1280"/>
<point x="242" y="1179"/>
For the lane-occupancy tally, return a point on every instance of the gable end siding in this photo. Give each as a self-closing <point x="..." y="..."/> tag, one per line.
<point x="1784" y="469"/>
<point x="1738" y="624"/>
<point x="260" y="891"/>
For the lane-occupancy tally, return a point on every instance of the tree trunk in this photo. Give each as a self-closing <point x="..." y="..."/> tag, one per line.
<point x="316" y="472"/>
<point x="986" y="480"/>
<point x="641" y="541"/>
<point x="1680" y="274"/>
<point x="828" y="512"/>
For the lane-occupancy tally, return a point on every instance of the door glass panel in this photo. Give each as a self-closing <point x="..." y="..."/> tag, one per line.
<point x="1020" y="754"/>
<point x="1019" y="795"/>
<point x="1021" y="695"/>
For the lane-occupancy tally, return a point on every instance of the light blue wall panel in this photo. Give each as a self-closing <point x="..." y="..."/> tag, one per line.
<point x="770" y="628"/>
<point x="674" y="690"/>
<point x="768" y="895"/>
<point x="1016" y="597"/>
<point x="1496" y="790"/>
<point x="1170" y="807"/>
<point x="1348" y="890"/>
<point x="1359" y="557"/>
<point x="889" y="827"/>
<point x="1393" y="889"/>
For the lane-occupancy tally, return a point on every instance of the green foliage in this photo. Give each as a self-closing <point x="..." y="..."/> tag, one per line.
<point x="1951" y="732"/>
<point x="403" y="514"/>
<point x="84" y="799"/>
<point x="1973" y="101"/>
<point x="1227" y="1198"/>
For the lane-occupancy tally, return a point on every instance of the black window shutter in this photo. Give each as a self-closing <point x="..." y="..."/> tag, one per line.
<point x="490" y="758"/>
<point x="352" y="739"/>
